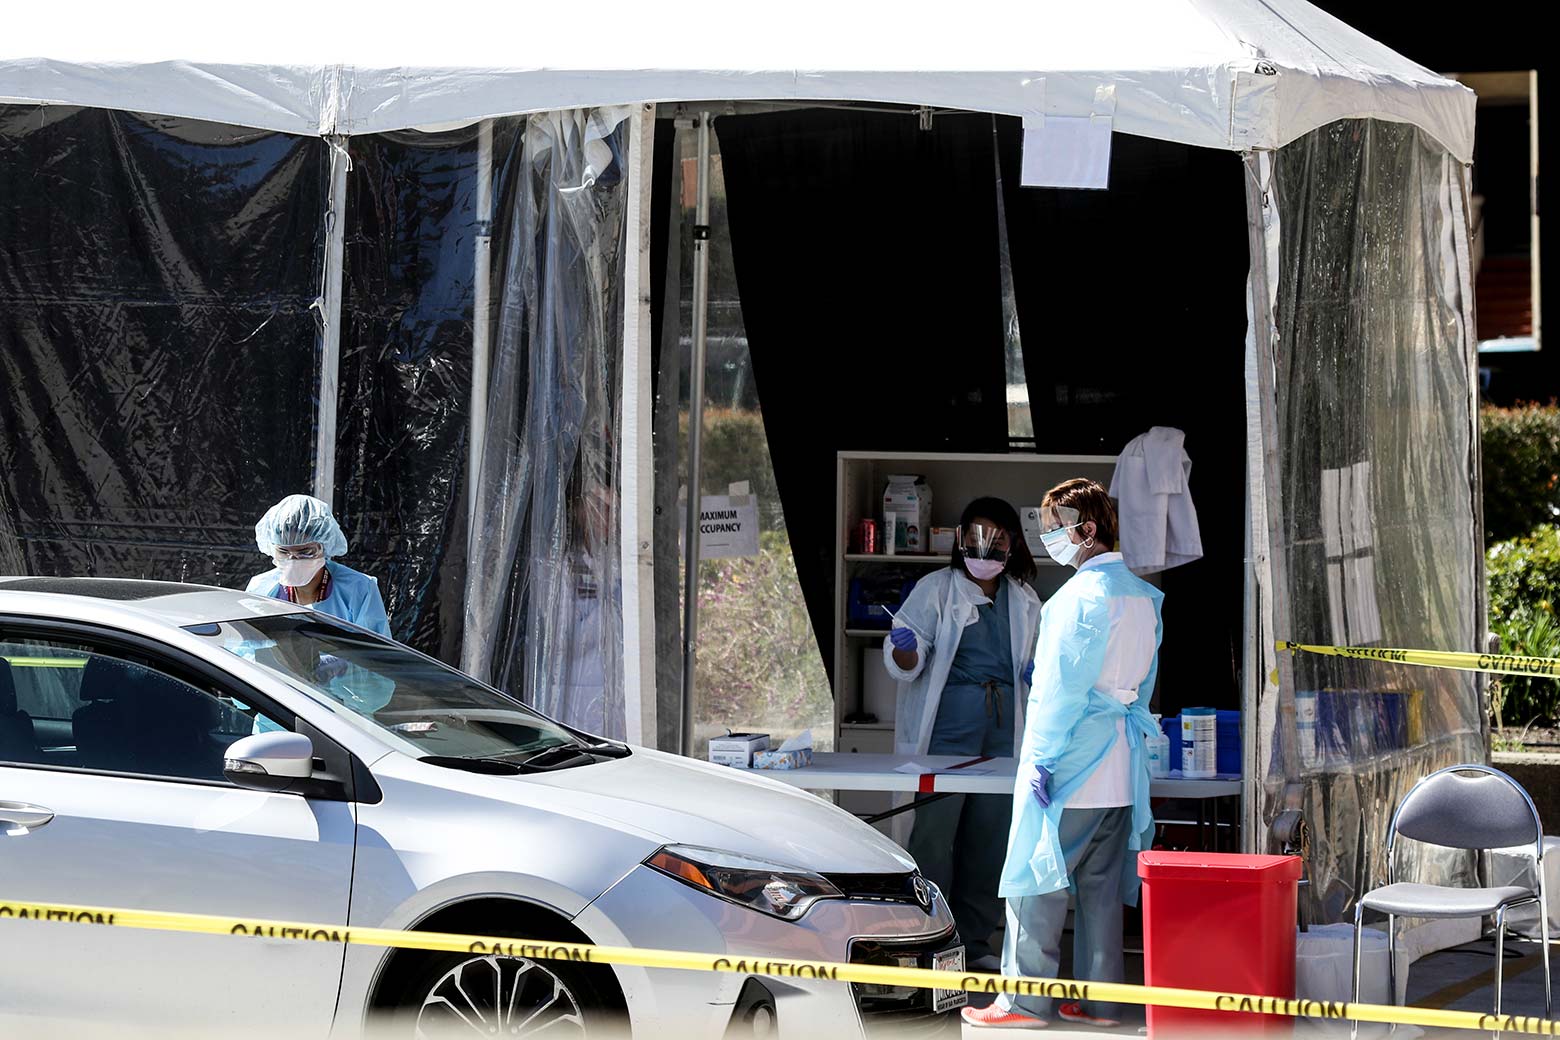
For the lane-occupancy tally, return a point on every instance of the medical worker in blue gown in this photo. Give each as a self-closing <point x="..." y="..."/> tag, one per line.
<point x="302" y="538"/>
<point x="1080" y="802"/>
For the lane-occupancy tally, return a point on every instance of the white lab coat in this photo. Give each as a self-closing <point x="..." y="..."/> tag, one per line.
<point x="939" y="608"/>
<point x="1151" y="484"/>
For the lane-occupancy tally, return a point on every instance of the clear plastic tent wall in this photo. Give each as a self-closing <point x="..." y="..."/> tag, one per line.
<point x="162" y="287"/>
<point x="544" y="614"/>
<point x="1376" y="535"/>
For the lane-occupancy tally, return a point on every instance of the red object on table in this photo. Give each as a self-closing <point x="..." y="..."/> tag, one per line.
<point x="1217" y="921"/>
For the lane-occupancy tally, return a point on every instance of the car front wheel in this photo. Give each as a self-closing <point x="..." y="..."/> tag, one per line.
<point x="470" y="995"/>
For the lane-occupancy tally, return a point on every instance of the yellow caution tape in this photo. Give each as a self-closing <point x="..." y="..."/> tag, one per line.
<point x="45" y="662"/>
<point x="1498" y="664"/>
<point x="868" y="974"/>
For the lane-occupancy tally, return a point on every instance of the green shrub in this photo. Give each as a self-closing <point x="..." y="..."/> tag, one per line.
<point x="1524" y="575"/>
<point x="1524" y="586"/>
<point x="735" y="449"/>
<point x="1521" y="449"/>
<point x="758" y="663"/>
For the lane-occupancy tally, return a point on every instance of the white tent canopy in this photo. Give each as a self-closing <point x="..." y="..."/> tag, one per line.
<point x="1229" y="74"/>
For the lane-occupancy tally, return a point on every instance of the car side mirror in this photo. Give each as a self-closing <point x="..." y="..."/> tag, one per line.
<point x="269" y="761"/>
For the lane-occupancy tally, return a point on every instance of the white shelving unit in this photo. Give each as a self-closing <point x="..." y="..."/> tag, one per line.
<point x="860" y="682"/>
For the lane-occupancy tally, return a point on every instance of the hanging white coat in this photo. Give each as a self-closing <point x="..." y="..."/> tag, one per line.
<point x="1152" y="483"/>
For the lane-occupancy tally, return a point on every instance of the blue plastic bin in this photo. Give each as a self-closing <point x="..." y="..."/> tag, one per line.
<point x="1229" y="741"/>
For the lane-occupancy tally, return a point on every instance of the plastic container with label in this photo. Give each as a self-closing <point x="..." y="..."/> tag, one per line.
<point x="1157" y="750"/>
<point x="1199" y="743"/>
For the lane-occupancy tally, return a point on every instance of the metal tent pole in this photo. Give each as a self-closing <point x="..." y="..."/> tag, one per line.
<point x="701" y="306"/>
<point x="481" y="355"/>
<point x="636" y="459"/>
<point x="329" y="306"/>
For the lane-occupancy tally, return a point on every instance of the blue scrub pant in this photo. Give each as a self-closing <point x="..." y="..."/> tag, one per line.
<point x="1094" y="844"/>
<point x="960" y="841"/>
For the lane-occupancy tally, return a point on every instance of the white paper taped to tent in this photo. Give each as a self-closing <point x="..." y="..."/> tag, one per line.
<point x="1070" y="151"/>
<point x="1230" y="74"/>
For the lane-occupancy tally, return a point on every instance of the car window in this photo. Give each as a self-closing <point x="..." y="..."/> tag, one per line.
<point x="409" y="701"/>
<point x="67" y="705"/>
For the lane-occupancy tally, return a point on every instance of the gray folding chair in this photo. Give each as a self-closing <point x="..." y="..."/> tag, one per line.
<point x="1469" y="807"/>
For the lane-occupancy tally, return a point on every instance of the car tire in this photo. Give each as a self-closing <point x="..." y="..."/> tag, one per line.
<point x="467" y="994"/>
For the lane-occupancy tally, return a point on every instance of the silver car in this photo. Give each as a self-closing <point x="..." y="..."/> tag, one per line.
<point x="174" y="747"/>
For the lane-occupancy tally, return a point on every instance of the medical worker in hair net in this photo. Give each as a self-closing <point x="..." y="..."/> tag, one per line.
<point x="302" y="538"/>
<point x="1080" y="802"/>
<point x="960" y="648"/>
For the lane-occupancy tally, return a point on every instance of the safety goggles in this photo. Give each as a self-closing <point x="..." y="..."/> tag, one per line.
<point x="1058" y="518"/>
<point x="314" y="551"/>
<point x="983" y="542"/>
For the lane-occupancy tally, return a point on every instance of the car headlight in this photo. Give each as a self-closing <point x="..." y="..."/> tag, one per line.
<point x="769" y="888"/>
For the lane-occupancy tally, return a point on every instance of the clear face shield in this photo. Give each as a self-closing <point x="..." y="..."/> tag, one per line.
<point x="984" y="542"/>
<point x="1056" y="525"/>
<point x="1058" y="518"/>
<point x="984" y="548"/>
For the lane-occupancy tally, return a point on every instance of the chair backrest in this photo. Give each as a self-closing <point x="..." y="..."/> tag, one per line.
<point x="1469" y="807"/>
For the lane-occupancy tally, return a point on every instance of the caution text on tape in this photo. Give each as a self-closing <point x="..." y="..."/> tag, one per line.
<point x="1497" y="664"/>
<point x="866" y="974"/>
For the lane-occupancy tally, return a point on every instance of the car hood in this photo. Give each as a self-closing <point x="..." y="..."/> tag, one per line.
<point x="676" y="800"/>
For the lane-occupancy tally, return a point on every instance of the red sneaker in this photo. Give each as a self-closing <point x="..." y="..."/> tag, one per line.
<point x="993" y="1016"/>
<point x="1073" y="1012"/>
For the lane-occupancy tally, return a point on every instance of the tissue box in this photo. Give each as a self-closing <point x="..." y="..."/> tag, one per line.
<point x="737" y="749"/>
<point x="795" y="759"/>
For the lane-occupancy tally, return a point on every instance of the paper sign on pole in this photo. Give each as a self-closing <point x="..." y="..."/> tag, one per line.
<point x="728" y="526"/>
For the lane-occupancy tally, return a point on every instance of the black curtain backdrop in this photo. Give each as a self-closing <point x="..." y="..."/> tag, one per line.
<point x="1132" y="304"/>
<point x="866" y="255"/>
<point x="158" y="353"/>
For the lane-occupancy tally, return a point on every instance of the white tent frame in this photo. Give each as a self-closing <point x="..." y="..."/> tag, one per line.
<point x="1226" y="74"/>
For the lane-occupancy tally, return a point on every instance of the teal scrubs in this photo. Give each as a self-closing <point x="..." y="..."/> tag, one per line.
<point x="959" y="841"/>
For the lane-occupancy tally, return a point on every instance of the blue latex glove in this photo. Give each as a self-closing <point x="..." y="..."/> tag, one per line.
<point x="1038" y="784"/>
<point x="903" y="639"/>
<point x="1029" y="673"/>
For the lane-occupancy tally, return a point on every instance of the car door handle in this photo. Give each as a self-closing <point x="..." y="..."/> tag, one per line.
<point x="23" y="815"/>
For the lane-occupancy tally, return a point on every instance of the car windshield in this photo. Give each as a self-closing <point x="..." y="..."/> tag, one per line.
<point x="423" y="707"/>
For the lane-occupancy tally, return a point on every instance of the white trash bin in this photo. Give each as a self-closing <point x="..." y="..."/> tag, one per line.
<point x="1324" y="965"/>
<point x="1515" y="867"/>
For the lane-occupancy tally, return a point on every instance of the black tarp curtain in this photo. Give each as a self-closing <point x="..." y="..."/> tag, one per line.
<point x="157" y="344"/>
<point x="158" y="278"/>
<point x="159" y="354"/>
<point x="866" y="253"/>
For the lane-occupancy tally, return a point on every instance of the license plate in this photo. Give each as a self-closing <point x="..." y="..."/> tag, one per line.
<point x="948" y="999"/>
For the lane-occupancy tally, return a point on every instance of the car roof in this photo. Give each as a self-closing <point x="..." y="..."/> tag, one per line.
<point x="161" y="602"/>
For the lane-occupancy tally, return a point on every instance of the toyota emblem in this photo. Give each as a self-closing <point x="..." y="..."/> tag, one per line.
<point x="923" y="892"/>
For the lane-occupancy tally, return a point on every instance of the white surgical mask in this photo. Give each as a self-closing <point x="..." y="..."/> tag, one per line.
<point x="1059" y="547"/>
<point x="298" y="573"/>
<point x="983" y="570"/>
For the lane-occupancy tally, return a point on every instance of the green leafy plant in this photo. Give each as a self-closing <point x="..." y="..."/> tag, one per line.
<point x="758" y="661"/>
<point x="1521" y="699"/>
<point x="1524" y="576"/>
<point x="1521" y="461"/>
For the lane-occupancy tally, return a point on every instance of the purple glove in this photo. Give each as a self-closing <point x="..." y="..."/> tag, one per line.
<point x="903" y="639"/>
<point x="1039" y="783"/>
<point x="1029" y="673"/>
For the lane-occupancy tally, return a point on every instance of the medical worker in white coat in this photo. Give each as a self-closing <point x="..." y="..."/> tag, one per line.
<point x="1080" y="801"/>
<point x="961" y="652"/>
